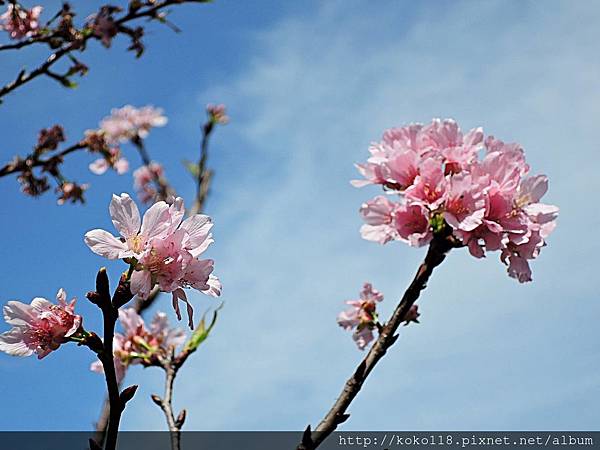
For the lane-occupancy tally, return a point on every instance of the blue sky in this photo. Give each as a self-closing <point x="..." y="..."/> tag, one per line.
<point x="308" y="86"/>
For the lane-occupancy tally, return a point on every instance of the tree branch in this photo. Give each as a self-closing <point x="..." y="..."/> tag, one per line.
<point x="109" y="307"/>
<point x="436" y="254"/>
<point x="25" y="77"/>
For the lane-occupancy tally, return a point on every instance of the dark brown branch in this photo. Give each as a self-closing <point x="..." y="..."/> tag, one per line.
<point x="109" y="307"/>
<point x="436" y="254"/>
<point x="24" y="43"/>
<point x="20" y="165"/>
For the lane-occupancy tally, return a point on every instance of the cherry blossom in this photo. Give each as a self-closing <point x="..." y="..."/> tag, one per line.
<point x="480" y="188"/>
<point x="217" y="114"/>
<point x="128" y="123"/>
<point x="40" y="327"/>
<point x="143" y="181"/>
<point x="162" y="249"/>
<point x="112" y="159"/>
<point x="362" y="315"/>
<point x="20" y="22"/>
<point x="138" y="344"/>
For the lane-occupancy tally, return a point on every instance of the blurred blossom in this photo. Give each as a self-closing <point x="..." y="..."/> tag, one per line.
<point x="143" y="181"/>
<point x="71" y="192"/>
<point x="129" y="123"/>
<point x="139" y="345"/>
<point x="103" y="25"/>
<point x="20" y="23"/>
<point x="112" y="159"/>
<point x="217" y="114"/>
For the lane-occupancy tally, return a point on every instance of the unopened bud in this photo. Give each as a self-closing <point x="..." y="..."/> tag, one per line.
<point x="128" y="393"/>
<point x="180" y="419"/>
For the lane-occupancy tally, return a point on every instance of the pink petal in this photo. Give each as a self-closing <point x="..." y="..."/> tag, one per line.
<point x="156" y="221"/>
<point x="214" y="286"/>
<point x="12" y="343"/>
<point x="141" y="283"/>
<point x="125" y="215"/>
<point x="105" y="244"/>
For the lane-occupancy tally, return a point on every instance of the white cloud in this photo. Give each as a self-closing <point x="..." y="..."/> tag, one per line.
<point x="490" y="353"/>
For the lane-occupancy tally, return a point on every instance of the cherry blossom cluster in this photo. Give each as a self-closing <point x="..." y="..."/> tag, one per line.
<point x="478" y="186"/>
<point x="138" y="344"/>
<point x="362" y="316"/>
<point x="20" y="22"/>
<point x="124" y="124"/>
<point x="144" y="181"/>
<point x="40" y="327"/>
<point x="162" y="249"/>
<point x="217" y="114"/>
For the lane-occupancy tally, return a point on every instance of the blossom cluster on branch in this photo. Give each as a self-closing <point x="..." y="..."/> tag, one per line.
<point x="162" y="249"/>
<point x="138" y="344"/>
<point x="126" y="124"/>
<point x="491" y="203"/>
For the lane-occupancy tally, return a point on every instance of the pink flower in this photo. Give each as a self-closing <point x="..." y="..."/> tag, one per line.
<point x="217" y="114"/>
<point x="112" y="159"/>
<point x="377" y="214"/>
<point x="139" y="344"/>
<point x="430" y="185"/>
<point x="488" y="204"/>
<point x="129" y="123"/>
<point x="411" y="223"/>
<point x="361" y="315"/>
<point x="19" y="22"/>
<point x="464" y="204"/>
<point x="163" y="250"/>
<point x="143" y="181"/>
<point x="39" y="327"/>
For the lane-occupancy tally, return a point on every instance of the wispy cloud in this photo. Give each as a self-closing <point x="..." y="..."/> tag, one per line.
<point x="490" y="353"/>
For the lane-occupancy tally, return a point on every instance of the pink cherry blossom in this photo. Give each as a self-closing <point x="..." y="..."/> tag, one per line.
<point x="112" y="159"/>
<point x="476" y="187"/>
<point x="143" y="181"/>
<point x="361" y="316"/>
<point x="128" y="123"/>
<point x="138" y="344"/>
<point x="217" y="114"/>
<point x="20" y="22"/>
<point x="40" y="327"/>
<point x="378" y="215"/>
<point x="411" y="222"/>
<point x="163" y="250"/>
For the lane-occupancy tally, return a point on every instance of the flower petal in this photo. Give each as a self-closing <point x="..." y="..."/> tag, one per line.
<point x="125" y="215"/>
<point x="12" y="343"/>
<point x="156" y="221"/>
<point x="141" y="283"/>
<point x="105" y="244"/>
<point x="198" y="233"/>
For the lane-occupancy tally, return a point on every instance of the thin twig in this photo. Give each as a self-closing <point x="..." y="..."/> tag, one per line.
<point x="204" y="174"/>
<point x="436" y="254"/>
<point x="166" y="402"/>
